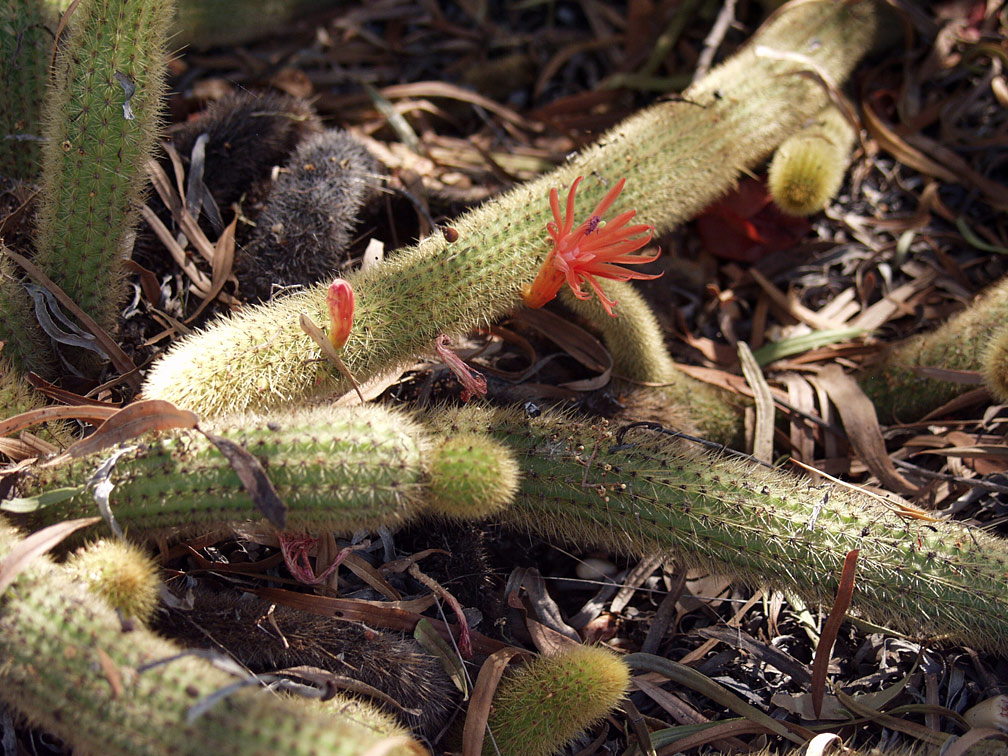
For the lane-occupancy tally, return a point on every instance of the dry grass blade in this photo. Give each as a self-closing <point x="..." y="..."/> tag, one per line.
<point x="475" y="727"/>
<point x="841" y="603"/>
<point x="764" y="430"/>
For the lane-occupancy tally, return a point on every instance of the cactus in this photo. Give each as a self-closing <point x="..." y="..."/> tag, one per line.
<point x="70" y="667"/>
<point x="101" y="122"/>
<point x="335" y="469"/>
<point x="901" y="393"/>
<point x="995" y="365"/>
<point x="120" y="573"/>
<point x="808" y="167"/>
<point x="25" y="43"/>
<point x="540" y="707"/>
<point x="677" y="158"/>
<point x="652" y="494"/>
<point x="305" y="228"/>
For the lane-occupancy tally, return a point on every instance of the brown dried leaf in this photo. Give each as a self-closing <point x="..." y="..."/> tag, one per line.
<point x="845" y="592"/>
<point x="253" y="479"/>
<point x="145" y="416"/>
<point x="25" y="552"/>
<point x="861" y="424"/>
<point x="479" y="707"/>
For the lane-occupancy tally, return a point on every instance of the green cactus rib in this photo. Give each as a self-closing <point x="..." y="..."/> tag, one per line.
<point x="677" y="157"/>
<point x="69" y="666"/>
<point x="93" y="156"/>
<point x="335" y="469"/>
<point x="540" y="707"/>
<point x="25" y="43"/>
<point x="653" y="494"/>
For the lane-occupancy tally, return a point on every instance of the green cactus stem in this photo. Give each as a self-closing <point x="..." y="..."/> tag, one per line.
<point x="677" y="157"/>
<point x="540" y="707"/>
<point x="995" y="366"/>
<point x="654" y="494"/>
<point x="72" y="669"/>
<point x="101" y="123"/>
<point x="25" y="45"/>
<point x="808" y="168"/>
<point x="901" y="394"/>
<point x="335" y="469"/>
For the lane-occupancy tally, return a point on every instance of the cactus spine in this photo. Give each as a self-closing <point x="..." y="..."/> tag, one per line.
<point x="808" y="168"/>
<point x="71" y="668"/>
<point x="677" y="158"/>
<point x="335" y="469"/>
<point x="653" y="494"/>
<point x="102" y="119"/>
<point x="540" y="707"/>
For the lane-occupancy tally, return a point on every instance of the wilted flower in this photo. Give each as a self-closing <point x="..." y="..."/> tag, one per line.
<point x="473" y="382"/>
<point x="340" y="299"/>
<point x="596" y="248"/>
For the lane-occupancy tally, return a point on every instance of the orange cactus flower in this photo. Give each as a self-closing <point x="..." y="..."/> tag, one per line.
<point x="340" y="300"/>
<point x="596" y="248"/>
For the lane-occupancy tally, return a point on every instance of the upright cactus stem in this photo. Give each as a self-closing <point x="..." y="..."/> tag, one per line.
<point x="25" y="43"/>
<point x="101" y="122"/>
<point x="677" y="157"/>
<point x="71" y="668"/>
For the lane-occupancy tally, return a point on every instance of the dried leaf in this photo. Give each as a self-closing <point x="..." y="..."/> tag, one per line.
<point x="253" y="479"/>
<point x="25" y="552"/>
<point x="482" y="696"/>
<point x="841" y="604"/>
<point x="145" y="416"/>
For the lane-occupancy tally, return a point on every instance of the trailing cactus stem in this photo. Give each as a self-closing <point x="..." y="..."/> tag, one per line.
<point x="336" y="469"/>
<point x="72" y="669"/>
<point x="677" y="158"/>
<point x="102" y="120"/>
<point x="996" y="365"/>
<point x="900" y="393"/>
<point x="652" y="493"/>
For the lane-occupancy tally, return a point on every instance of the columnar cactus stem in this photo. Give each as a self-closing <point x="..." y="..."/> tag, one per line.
<point x="644" y="492"/>
<point x="677" y="157"/>
<point x="70" y="667"/>
<point x="25" y="43"/>
<point x="102" y="120"/>
<point x="335" y="469"/>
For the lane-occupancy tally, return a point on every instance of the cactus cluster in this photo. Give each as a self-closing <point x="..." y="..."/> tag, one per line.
<point x="677" y="157"/>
